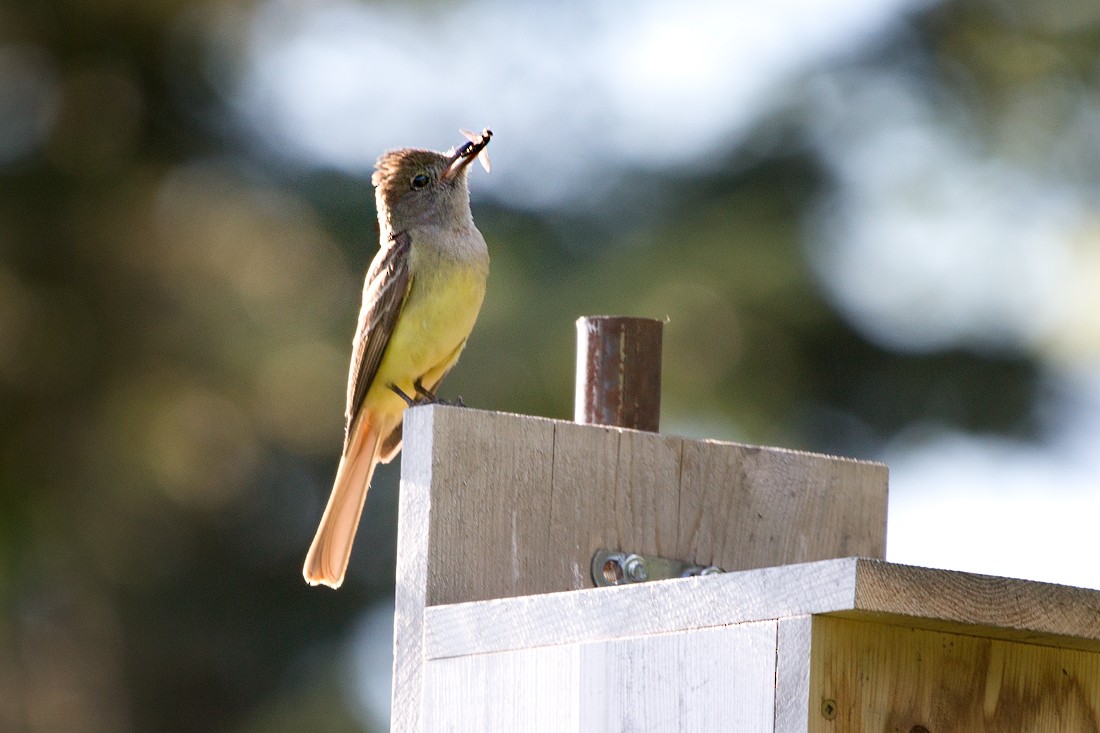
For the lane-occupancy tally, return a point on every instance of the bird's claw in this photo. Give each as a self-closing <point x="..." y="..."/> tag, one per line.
<point x="423" y="393"/>
<point x="409" y="401"/>
<point x="424" y="396"/>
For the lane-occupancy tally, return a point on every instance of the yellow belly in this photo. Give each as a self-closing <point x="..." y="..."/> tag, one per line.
<point x="431" y="331"/>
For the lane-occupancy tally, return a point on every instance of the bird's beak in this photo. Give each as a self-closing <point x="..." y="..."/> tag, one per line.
<point x="475" y="148"/>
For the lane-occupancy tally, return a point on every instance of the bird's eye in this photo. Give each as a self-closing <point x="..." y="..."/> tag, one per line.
<point x="420" y="180"/>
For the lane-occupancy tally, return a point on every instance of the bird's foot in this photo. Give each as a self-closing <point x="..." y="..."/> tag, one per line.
<point x="409" y="401"/>
<point x="425" y="395"/>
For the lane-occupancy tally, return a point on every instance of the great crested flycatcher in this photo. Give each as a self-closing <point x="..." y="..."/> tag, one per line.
<point x="421" y="297"/>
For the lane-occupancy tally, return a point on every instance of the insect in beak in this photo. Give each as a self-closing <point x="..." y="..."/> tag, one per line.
<point x="476" y="147"/>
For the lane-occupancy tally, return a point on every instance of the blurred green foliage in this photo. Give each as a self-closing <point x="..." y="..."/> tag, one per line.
<point x="175" y="313"/>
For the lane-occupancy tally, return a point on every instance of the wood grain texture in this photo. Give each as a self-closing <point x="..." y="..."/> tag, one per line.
<point x="533" y="690"/>
<point x="410" y="594"/>
<point x="891" y="678"/>
<point x="644" y="609"/>
<point x="702" y="681"/>
<point x="749" y="507"/>
<point x="646" y="495"/>
<point x="490" y="496"/>
<point x="793" y="650"/>
<point x="585" y="463"/>
<point x="1007" y="608"/>
<point x="518" y="505"/>
<point x="497" y="506"/>
<point x="944" y="600"/>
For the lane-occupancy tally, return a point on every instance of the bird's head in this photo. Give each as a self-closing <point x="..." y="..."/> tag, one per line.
<point x="416" y="187"/>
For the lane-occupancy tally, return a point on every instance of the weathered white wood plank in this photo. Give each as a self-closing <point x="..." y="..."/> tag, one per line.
<point x="410" y="594"/>
<point x="634" y="610"/>
<point x="793" y="654"/>
<point x="709" y="680"/>
<point x="518" y="505"/>
<point x="581" y="509"/>
<point x="646" y="492"/>
<point x="748" y="507"/>
<point x="533" y="690"/>
<point x="935" y="599"/>
<point x="495" y="505"/>
<point x="703" y="681"/>
<point x="490" y="494"/>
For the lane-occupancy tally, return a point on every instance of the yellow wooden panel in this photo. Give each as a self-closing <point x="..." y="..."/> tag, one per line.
<point x="868" y="676"/>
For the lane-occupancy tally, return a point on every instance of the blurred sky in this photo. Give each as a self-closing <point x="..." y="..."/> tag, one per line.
<point x="960" y="212"/>
<point x="580" y="90"/>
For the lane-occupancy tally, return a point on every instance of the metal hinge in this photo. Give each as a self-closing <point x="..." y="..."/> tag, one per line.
<point x="610" y="567"/>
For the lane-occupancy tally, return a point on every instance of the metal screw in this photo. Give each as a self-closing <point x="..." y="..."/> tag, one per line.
<point x="710" y="570"/>
<point x="634" y="568"/>
<point x="828" y="709"/>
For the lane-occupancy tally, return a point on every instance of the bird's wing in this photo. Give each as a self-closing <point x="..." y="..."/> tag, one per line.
<point x="387" y="286"/>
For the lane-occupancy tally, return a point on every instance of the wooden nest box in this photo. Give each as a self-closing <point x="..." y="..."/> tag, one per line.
<point x="500" y="625"/>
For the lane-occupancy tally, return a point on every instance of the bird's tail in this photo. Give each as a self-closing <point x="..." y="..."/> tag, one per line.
<point x="328" y="556"/>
